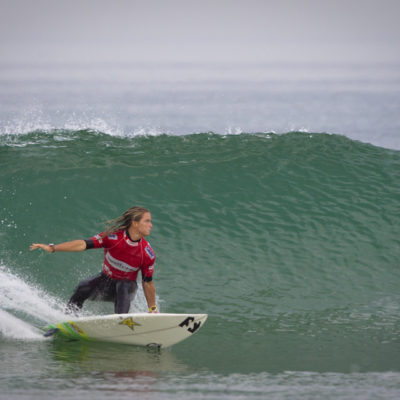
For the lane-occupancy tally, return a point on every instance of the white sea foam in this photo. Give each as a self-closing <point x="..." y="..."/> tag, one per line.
<point x="23" y="307"/>
<point x="20" y="127"/>
<point x="15" y="328"/>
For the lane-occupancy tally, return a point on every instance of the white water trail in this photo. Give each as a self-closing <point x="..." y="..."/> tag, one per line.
<point x="14" y="328"/>
<point x="24" y="308"/>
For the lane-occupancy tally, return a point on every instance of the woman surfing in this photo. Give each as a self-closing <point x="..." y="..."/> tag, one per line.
<point x="126" y="252"/>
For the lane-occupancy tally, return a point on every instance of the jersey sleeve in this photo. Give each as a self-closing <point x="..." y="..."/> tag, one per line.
<point x="148" y="262"/>
<point x="97" y="242"/>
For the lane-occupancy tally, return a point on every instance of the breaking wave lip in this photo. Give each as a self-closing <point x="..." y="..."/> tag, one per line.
<point x="20" y="128"/>
<point x="105" y="130"/>
<point x="98" y="125"/>
<point x="12" y="136"/>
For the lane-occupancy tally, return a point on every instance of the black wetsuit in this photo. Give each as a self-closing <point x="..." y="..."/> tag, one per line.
<point x="102" y="287"/>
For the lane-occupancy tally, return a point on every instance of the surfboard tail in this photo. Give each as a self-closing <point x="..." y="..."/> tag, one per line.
<point x="50" y="332"/>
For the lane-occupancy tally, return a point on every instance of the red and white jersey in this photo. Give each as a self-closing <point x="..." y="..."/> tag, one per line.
<point x="123" y="258"/>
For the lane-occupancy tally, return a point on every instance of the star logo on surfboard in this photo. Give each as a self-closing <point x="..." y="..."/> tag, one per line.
<point x="129" y="322"/>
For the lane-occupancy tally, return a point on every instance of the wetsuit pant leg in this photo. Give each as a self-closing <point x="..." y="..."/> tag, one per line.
<point x="84" y="290"/>
<point x="124" y="293"/>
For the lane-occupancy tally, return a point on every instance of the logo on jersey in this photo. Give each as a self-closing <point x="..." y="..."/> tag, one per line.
<point x="99" y="238"/>
<point x="113" y="237"/>
<point x="149" y="252"/>
<point x="119" y="265"/>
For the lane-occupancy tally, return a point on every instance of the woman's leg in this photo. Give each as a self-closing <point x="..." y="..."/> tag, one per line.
<point x="125" y="292"/>
<point x="84" y="290"/>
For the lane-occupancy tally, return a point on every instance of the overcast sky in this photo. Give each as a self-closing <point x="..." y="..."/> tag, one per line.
<point x="219" y="30"/>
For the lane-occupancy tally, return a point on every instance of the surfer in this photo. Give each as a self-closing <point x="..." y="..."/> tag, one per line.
<point x="126" y="251"/>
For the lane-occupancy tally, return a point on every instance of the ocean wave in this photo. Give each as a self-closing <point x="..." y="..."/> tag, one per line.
<point x="290" y="239"/>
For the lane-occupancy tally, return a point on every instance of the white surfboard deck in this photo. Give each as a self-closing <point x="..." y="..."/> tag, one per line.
<point x="140" y="329"/>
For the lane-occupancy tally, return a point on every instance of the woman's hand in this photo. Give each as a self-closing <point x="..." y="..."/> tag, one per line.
<point x="45" y="247"/>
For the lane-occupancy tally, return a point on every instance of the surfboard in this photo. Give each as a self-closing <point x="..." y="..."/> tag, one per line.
<point x="140" y="329"/>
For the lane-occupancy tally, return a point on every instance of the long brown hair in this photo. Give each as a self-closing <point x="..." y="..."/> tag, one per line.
<point x="125" y="220"/>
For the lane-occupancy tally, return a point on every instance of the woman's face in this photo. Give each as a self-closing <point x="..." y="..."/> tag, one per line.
<point x="143" y="227"/>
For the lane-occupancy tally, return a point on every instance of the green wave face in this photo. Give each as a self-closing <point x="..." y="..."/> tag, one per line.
<point x="289" y="242"/>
